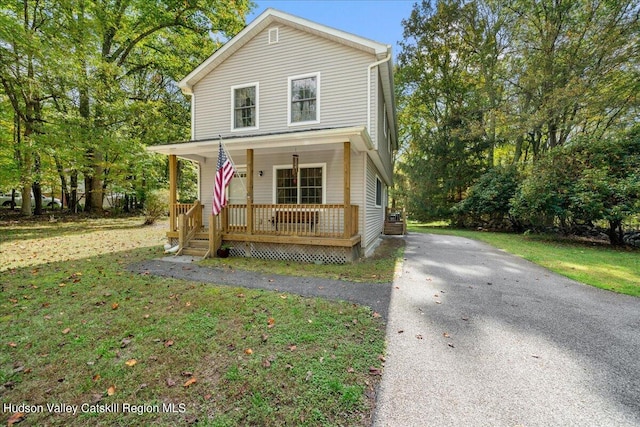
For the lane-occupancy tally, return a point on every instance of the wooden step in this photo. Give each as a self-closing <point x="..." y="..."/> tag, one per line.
<point x="194" y="251"/>
<point x="198" y="244"/>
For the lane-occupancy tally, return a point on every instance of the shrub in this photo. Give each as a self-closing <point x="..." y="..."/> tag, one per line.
<point x="155" y="205"/>
<point x="488" y="200"/>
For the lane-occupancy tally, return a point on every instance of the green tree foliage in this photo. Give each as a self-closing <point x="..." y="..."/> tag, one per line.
<point x="488" y="201"/>
<point x="582" y="182"/>
<point x="92" y="82"/>
<point x="442" y="107"/>
<point x="497" y="82"/>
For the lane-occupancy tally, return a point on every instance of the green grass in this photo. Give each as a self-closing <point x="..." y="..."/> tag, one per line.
<point x="597" y="265"/>
<point x="76" y="327"/>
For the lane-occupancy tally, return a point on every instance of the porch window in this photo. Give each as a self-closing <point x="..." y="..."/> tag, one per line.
<point x="245" y="106"/>
<point x="304" y="93"/>
<point x="307" y="187"/>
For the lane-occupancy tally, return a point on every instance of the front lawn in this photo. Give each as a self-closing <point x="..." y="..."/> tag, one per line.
<point x="78" y="329"/>
<point x="597" y="265"/>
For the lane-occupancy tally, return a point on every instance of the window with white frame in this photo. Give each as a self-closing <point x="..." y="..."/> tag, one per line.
<point x="245" y="106"/>
<point x="307" y="187"/>
<point x="378" y="192"/>
<point x="304" y="99"/>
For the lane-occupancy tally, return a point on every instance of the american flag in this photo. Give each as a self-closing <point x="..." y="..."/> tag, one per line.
<point x="224" y="173"/>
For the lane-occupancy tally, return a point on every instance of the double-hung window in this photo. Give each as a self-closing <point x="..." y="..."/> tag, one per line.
<point x="304" y="99"/>
<point x="306" y="187"/>
<point x="245" y="107"/>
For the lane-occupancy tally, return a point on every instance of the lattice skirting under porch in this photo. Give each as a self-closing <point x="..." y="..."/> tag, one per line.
<point x="293" y="252"/>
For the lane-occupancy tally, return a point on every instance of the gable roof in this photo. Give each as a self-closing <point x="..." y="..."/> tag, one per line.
<point x="268" y="18"/>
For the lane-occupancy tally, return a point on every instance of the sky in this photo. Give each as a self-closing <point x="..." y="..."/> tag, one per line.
<point x="379" y="20"/>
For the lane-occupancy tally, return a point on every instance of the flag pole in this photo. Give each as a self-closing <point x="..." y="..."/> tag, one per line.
<point x="226" y="152"/>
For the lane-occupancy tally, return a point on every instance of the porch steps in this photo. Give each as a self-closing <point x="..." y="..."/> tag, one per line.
<point x="393" y="228"/>
<point x="197" y="246"/>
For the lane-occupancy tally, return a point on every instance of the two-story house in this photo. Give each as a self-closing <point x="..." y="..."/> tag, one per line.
<point x="307" y="114"/>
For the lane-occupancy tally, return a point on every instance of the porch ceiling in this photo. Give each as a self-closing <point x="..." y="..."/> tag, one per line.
<point x="309" y="140"/>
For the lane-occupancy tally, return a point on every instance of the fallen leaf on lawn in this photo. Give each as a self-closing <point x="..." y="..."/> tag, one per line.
<point x="207" y="397"/>
<point x="265" y="337"/>
<point x="146" y="316"/>
<point x="350" y="370"/>
<point x="381" y="358"/>
<point x="131" y="362"/>
<point x="240" y="295"/>
<point x="62" y="285"/>
<point x="168" y="343"/>
<point x="376" y="314"/>
<point x="12" y="344"/>
<point x="292" y="347"/>
<point x="309" y="375"/>
<point x="248" y="351"/>
<point x="15" y="418"/>
<point x="186" y="373"/>
<point x="170" y="382"/>
<point x="190" y="381"/>
<point x="283" y="296"/>
<point x="66" y="331"/>
<point x="111" y="390"/>
<point x="188" y="304"/>
<point x="115" y="306"/>
<point x="271" y="322"/>
<point x="125" y="342"/>
<point x="374" y="371"/>
<point x="266" y="363"/>
<point x="96" y="377"/>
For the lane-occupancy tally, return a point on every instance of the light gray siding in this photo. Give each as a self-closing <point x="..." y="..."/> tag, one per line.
<point x="343" y="81"/>
<point x="382" y="141"/>
<point x="374" y="215"/>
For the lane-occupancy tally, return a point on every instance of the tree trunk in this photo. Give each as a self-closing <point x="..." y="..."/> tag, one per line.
<point x="615" y="233"/>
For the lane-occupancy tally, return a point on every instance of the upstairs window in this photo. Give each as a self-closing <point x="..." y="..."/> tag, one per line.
<point x="304" y="94"/>
<point x="245" y="106"/>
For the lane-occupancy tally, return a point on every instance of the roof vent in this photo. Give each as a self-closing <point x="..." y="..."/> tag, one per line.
<point x="274" y="35"/>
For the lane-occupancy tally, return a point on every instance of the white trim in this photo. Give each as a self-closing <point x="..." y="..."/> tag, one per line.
<point x="299" y="77"/>
<point x="300" y="167"/>
<point x="233" y="107"/>
<point x="276" y="39"/>
<point x="193" y="116"/>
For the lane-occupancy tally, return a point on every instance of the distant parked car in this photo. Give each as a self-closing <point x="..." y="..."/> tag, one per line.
<point x="5" y="200"/>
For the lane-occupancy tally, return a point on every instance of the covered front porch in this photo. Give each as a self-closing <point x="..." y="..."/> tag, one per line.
<point x="302" y="232"/>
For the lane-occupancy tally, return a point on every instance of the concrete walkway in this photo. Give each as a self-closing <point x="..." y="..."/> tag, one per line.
<point x="477" y="337"/>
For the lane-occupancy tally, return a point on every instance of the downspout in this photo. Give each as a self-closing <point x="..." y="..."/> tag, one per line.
<point x="369" y="68"/>
<point x="364" y="181"/>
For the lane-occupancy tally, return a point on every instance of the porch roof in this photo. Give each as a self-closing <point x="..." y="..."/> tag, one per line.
<point x="208" y="148"/>
<point x="315" y="139"/>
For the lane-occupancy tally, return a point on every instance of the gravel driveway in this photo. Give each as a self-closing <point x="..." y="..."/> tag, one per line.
<point x="477" y="337"/>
